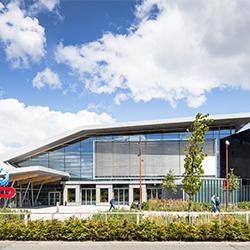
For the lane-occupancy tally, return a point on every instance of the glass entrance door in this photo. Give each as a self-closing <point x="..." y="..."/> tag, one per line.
<point x="54" y="197"/>
<point x="154" y="193"/>
<point x="88" y="196"/>
<point x="121" y="196"/>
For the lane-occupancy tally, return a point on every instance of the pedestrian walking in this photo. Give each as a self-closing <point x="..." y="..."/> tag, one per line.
<point x="213" y="204"/>
<point x="217" y="203"/>
<point x="112" y="203"/>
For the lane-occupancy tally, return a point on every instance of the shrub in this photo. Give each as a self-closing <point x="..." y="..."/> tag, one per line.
<point x="243" y="205"/>
<point x="12" y="216"/>
<point x="147" y="230"/>
<point x="133" y="205"/>
<point x="101" y="215"/>
<point x="145" y="205"/>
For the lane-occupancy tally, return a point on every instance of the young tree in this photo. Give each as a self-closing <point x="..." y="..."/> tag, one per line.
<point x="168" y="182"/>
<point x="233" y="183"/>
<point x="194" y="157"/>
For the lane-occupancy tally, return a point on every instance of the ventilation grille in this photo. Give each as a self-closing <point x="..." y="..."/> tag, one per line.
<point x="119" y="159"/>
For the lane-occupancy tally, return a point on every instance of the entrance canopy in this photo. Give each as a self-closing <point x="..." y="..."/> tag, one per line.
<point x="35" y="175"/>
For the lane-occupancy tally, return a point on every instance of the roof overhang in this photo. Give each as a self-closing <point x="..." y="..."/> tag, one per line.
<point x="154" y="126"/>
<point x="35" y="175"/>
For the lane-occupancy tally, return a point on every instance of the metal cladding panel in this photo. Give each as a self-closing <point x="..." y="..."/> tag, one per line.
<point x="228" y="121"/>
<point x="120" y="159"/>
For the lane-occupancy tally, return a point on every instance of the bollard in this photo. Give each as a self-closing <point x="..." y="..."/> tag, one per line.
<point x="247" y="221"/>
<point x="137" y="218"/>
<point x="106" y="216"/>
<point x="57" y="207"/>
<point x="26" y="219"/>
<point x="166" y="218"/>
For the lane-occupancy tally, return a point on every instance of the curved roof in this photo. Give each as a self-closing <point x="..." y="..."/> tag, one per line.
<point x="154" y="126"/>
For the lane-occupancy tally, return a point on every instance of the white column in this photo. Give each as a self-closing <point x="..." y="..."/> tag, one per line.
<point x="77" y="195"/>
<point x="131" y="194"/>
<point x="110" y="193"/>
<point x="144" y="192"/>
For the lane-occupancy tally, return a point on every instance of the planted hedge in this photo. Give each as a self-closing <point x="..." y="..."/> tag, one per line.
<point x="75" y="229"/>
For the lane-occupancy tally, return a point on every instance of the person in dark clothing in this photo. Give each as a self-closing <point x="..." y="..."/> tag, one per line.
<point x="112" y="203"/>
<point x="217" y="203"/>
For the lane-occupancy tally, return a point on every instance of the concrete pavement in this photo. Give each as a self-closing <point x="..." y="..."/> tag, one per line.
<point x="65" y="211"/>
<point x="48" y="245"/>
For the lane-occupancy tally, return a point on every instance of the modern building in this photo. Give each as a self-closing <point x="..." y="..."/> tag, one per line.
<point x="90" y="164"/>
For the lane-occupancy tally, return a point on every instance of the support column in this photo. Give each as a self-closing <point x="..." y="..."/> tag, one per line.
<point x="6" y="200"/>
<point x="38" y="193"/>
<point x="144" y="192"/>
<point x="131" y="194"/>
<point x="26" y="191"/>
<point x="77" y="195"/>
<point x="32" y="195"/>
<point x="110" y="193"/>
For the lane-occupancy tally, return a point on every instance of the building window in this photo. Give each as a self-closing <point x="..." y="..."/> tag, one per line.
<point x="104" y="195"/>
<point x="137" y="195"/>
<point x="71" y="195"/>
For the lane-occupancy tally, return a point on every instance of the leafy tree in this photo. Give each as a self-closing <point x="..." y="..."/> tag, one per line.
<point x="194" y="157"/>
<point x="168" y="182"/>
<point x="233" y="183"/>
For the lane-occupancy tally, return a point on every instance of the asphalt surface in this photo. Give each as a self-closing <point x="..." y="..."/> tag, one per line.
<point x="47" y="245"/>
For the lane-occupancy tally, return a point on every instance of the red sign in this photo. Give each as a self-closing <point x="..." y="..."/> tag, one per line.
<point x="10" y="195"/>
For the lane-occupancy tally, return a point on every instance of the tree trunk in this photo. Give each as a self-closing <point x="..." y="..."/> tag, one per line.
<point x="189" y="206"/>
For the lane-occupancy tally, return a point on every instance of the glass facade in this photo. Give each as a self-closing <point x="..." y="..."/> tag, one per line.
<point x="77" y="158"/>
<point x="154" y="191"/>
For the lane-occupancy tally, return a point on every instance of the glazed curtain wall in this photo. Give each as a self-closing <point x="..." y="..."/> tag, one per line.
<point x="77" y="159"/>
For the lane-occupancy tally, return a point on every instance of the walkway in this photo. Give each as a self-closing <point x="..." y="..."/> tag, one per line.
<point x="43" y="212"/>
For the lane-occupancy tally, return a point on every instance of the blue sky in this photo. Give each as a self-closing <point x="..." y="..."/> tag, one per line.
<point x="66" y="63"/>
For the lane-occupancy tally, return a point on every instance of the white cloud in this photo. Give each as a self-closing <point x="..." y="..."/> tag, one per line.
<point x="72" y="88"/>
<point x="22" y="124"/>
<point x="1" y="6"/>
<point x="97" y="107"/>
<point x="3" y="149"/>
<point x="47" y="77"/>
<point x="174" y="50"/>
<point x="45" y="4"/>
<point x="23" y="37"/>
<point x="120" y="97"/>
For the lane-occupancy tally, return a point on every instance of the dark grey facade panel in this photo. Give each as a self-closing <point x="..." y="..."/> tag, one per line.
<point x="238" y="155"/>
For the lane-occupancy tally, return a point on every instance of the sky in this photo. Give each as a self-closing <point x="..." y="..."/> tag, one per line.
<point x="68" y="63"/>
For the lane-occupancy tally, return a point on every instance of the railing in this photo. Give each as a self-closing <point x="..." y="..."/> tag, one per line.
<point x="192" y="217"/>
